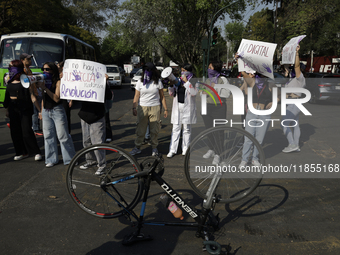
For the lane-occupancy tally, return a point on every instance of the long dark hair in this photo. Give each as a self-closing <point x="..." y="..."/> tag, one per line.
<point x="217" y="65"/>
<point x="155" y="74"/>
<point x="55" y="71"/>
<point x="18" y="64"/>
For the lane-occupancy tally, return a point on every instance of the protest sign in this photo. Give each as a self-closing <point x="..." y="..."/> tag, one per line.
<point x="83" y="80"/>
<point x="289" y="50"/>
<point x="256" y="56"/>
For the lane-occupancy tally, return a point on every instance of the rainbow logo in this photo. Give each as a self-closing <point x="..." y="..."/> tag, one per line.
<point x="213" y="90"/>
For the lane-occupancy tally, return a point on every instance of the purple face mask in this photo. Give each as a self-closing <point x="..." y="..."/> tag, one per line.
<point x="147" y="76"/>
<point x="213" y="75"/>
<point x="259" y="81"/>
<point x="187" y="74"/>
<point x="48" y="79"/>
<point x="13" y="71"/>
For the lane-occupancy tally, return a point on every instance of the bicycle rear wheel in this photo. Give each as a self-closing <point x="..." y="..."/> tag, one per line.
<point x="222" y="176"/>
<point x="95" y="194"/>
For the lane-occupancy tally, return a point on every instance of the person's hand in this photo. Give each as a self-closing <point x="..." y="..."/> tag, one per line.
<point x="269" y="105"/>
<point x="184" y="78"/>
<point x="106" y="76"/>
<point x="41" y="85"/>
<point x="40" y="116"/>
<point x="297" y="48"/>
<point x="70" y="104"/>
<point x="134" y="111"/>
<point x="165" y="114"/>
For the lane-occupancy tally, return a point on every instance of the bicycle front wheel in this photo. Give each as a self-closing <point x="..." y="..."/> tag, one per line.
<point x="98" y="193"/>
<point x="212" y="164"/>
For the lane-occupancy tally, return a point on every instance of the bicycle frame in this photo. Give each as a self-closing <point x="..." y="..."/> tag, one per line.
<point x="149" y="175"/>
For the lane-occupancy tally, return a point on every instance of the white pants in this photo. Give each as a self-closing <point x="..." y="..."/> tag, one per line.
<point x="176" y="133"/>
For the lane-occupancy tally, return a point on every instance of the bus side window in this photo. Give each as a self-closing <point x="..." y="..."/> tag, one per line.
<point x="70" y="49"/>
<point x="79" y="51"/>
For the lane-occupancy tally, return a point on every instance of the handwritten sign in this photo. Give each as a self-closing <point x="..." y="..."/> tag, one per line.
<point x="83" y="80"/>
<point x="289" y="50"/>
<point x="256" y="56"/>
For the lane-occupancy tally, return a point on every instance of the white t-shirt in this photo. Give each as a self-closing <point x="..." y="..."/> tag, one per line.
<point x="149" y="93"/>
<point x="297" y="83"/>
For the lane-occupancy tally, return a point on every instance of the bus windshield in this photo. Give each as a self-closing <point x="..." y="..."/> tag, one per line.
<point x="42" y="49"/>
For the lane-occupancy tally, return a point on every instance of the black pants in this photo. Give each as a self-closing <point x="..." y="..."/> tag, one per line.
<point x="22" y="134"/>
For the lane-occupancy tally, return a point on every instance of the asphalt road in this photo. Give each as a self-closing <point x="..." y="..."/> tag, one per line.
<point x="282" y="216"/>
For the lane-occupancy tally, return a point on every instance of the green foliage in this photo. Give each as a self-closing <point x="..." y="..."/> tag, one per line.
<point x="91" y="14"/>
<point x="38" y="15"/>
<point x="175" y="26"/>
<point x="259" y="27"/>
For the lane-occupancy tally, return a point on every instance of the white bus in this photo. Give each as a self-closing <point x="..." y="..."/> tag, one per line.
<point x="44" y="46"/>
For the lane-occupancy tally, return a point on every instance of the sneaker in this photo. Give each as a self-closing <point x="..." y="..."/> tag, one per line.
<point x="242" y="165"/>
<point x="256" y="163"/>
<point x="291" y="148"/>
<point x="20" y="157"/>
<point x="183" y="153"/>
<point x="154" y="152"/>
<point x="170" y="154"/>
<point x="100" y="171"/>
<point x="87" y="165"/>
<point x="49" y="164"/>
<point x="38" y="157"/>
<point x="108" y="140"/>
<point x="216" y="160"/>
<point x="38" y="133"/>
<point x="209" y="154"/>
<point x="135" y="151"/>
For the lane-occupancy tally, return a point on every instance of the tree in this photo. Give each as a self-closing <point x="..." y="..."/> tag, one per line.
<point x="91" y="14"/>
<point x="234" y="32"/>
<point x="117" y="46"/>
<point x="39" y="15"/>
<point x="260" y="27"/>
<point x="177" y="26"/>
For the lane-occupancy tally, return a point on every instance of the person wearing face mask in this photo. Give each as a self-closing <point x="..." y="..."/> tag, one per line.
<point x="183" y="110"/>
<point x="19" y="109"/>
<point x="54" y="118"/>
<point x="255" y="124"/>
<point x="215" y="111"/>
<point x="292" y="128"/>
<point x="146" y="106"/>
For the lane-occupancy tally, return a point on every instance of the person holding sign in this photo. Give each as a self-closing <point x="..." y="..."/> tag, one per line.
<point x="54" y="118"/>
<point x="92" y="115"/>
<point x="149" y="93"/>
<point x="255" y="124"/>
<point x="292" y="111"/>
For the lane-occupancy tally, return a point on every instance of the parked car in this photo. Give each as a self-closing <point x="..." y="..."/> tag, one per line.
<point x="115" y="78"/>
<point x="136" y="78"/>
<point x="122" y="73"/>
<point x="323" y="86"/>
<point x="134" y="71"/>
<point x="226" y="72"/>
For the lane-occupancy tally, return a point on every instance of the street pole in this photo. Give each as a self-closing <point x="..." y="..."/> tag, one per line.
<point x="209" y="32"/>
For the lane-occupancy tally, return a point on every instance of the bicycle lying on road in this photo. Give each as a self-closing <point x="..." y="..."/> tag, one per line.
<point x="119" y="189"/>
